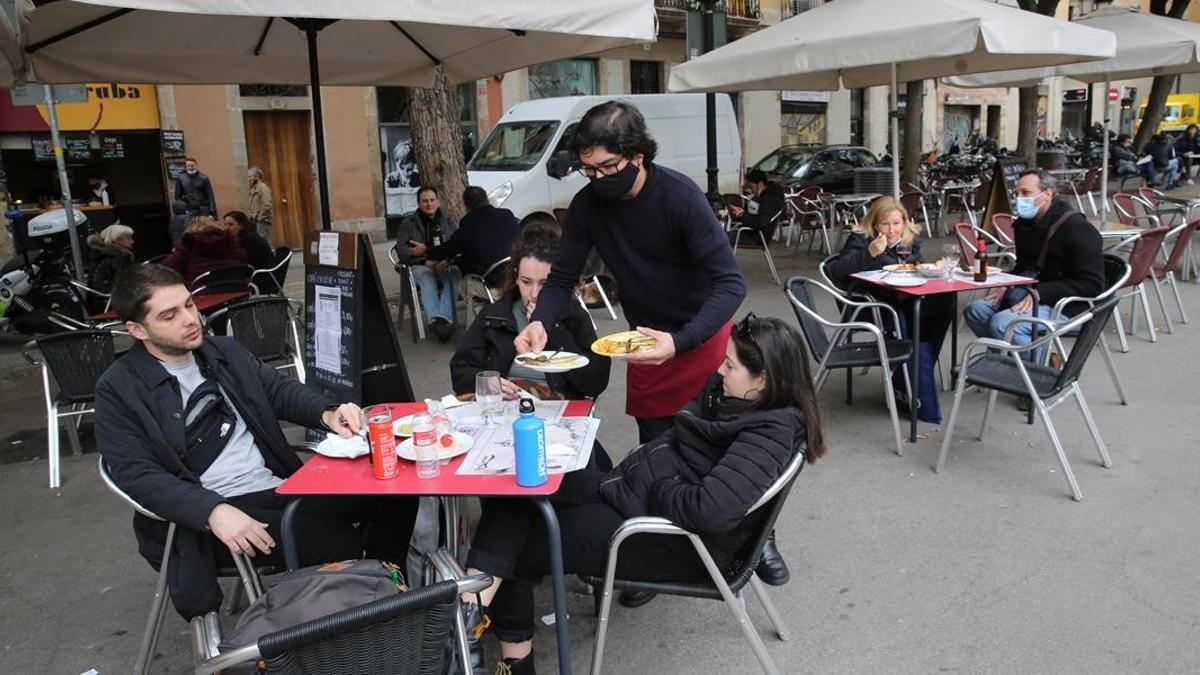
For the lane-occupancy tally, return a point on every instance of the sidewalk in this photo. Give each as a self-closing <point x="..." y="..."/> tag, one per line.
<point x="987" y="567"/>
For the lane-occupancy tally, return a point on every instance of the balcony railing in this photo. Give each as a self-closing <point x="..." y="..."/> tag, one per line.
<point x="793" y="7"/>
<point x="734" y="9"/>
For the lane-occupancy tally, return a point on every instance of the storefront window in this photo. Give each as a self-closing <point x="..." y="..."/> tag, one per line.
<point x="568" y="77"/>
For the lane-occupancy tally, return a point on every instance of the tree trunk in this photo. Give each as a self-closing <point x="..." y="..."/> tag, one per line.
<point x="1027" y="125"/>
<point x="1155" y="104"/>
<point x="437" y="142"/>
<point x="913" y="108"/>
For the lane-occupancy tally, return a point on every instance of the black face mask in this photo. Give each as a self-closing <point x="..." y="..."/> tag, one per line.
<point x="617" y="185"/>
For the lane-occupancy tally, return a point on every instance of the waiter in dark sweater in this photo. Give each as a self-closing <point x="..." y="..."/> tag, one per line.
<point x="672" y="263"/>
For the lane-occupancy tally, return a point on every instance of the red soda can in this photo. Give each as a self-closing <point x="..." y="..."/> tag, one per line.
<point x="383" y="441"/>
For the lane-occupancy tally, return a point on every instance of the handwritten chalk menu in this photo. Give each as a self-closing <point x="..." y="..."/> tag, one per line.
<point x="1012" y="169"/>
<point x="350" y="346"/>
<point x="172" y="143"/>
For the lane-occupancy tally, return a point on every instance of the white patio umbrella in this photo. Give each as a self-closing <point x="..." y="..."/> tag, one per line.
<point x="862" y="43"/>
<point x="362" y="42"/>
<point x="1147" y="45"/>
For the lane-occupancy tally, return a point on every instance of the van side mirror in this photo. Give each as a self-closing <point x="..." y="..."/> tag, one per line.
<point x="558" y="166"/>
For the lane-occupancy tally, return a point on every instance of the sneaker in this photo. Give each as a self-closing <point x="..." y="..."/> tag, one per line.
<point x="1190" y="181"/>
<point x="515" y="666"/>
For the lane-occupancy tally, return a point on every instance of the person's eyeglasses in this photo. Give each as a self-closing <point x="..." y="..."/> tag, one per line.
<point x="608" y="168"/>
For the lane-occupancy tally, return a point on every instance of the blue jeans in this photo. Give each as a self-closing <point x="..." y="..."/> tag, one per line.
<point x="1172" y="171"/>
<point x="438" y="290"/>
<point x="986" y="320"/>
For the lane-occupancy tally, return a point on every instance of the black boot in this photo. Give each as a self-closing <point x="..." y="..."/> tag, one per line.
<point x="515" y="666"/>
<point x="635" y="598"/>
<point x="771" y="567"/>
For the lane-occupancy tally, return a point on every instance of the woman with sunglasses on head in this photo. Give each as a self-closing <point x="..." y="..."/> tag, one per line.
<point x="886" y="236"/>
<point x="724" y="450"/>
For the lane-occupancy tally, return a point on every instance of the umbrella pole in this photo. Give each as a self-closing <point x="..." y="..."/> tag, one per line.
<point x="314" y="74"/>
<point x="895" y="130"/>
<point x="1104" y="154"/>
<point x="63" y="182"/>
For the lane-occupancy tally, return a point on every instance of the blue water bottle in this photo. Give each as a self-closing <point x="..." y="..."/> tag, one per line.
<point x="529" y="445"/>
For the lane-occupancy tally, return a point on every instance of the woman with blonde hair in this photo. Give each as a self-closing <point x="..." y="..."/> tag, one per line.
<point x="882" y="239"/>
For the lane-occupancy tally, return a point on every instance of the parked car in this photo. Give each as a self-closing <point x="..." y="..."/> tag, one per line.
<point x="829" y="166"/>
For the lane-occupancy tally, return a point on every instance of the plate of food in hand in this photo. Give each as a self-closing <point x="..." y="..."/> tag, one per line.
<point x="621" y="345"/>
<point x="549" y="361"/>
<point x="449" y="445"/>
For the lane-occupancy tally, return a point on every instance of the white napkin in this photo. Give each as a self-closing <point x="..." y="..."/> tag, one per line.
<point x="336" y="446"/>
<point x="448" y="401"/>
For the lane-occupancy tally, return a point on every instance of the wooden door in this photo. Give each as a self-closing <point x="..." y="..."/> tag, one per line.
<point x="278" y="143"/>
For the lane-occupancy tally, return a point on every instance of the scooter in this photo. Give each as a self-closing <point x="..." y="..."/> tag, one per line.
<point x="37" y="293"/>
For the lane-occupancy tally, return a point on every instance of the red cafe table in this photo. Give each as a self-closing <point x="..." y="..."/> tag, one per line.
<point x="958" y="283"/>
<point x="331" y="476"/>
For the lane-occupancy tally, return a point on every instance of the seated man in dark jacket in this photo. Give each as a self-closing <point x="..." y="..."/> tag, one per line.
<point x="188" y="427"/>
<point x="483" y="237"/>
<point x="1163" y="158"/>
<point x="765" y="202"/>
<point x="1055" y="244"/>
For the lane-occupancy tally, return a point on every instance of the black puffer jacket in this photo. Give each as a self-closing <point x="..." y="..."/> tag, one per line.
<point x="107" y="262"/>
<point x="709" y="470"/>
<point x="488" y="345"/>
<point x="140" y="433"/>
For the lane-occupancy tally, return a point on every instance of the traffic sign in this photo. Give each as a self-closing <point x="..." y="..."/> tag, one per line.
<point x="35" y="94"/>
<point x="1114" y="94"/>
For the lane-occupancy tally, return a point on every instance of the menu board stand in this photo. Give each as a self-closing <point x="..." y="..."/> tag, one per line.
<point x="350" y="344"/>
<point x="1004" y="180"/>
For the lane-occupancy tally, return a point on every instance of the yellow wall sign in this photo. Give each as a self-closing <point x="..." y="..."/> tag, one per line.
<point x="110" y="107"/>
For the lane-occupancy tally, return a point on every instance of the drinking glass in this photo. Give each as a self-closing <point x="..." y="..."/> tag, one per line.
<point x="903" y="252"/>
<point x="950" y="256"/>
<point x="489" y="395"/>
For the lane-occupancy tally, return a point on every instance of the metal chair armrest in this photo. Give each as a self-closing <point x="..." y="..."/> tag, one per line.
<point x="645" y="525"/>
<point x="27" y="350"/>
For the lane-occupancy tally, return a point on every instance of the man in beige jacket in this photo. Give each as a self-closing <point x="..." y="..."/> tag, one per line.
<point x="261" y="211"/>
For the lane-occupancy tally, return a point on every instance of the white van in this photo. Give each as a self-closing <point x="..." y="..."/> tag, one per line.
<point x="513" y="163"/>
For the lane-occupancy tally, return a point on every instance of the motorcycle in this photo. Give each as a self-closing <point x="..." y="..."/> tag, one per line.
<point x="37" y="292"/>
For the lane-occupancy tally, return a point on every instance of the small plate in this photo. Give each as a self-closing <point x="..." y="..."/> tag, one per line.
<point x="403" y="426"/>
<point x="462" y="444"/>
<point x="905" y="282"/>
<point x="562" y="362"/>
<point x="905" y="268"/>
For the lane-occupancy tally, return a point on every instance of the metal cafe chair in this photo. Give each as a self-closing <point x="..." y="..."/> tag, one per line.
<point x="264" y="325"/>
<point x="1168" y="269"/>
<point x="475" y="288"/>
<point x="410" y="297"/>
<point x="762" y="241"/>
<point x="722" y="585"/>
<point x="401" y="633"/>
<point x="269" y="280"/>
<point x="76" y="359"/>
<point x="807" y="217"/>
<point x="206" y="630"/>
<point x="1141" y="259"/>
<point x="996" y="365"/>
<point x="231" y="279"/>
<point x="841" y="351"/>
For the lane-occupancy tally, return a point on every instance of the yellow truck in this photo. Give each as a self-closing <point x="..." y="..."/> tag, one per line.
<point x="1180" y="111"/>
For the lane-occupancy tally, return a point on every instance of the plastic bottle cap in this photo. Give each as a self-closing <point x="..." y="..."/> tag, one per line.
<point x="526" y="406"/>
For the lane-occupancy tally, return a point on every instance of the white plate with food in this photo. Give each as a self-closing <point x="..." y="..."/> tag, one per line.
<point x="403" y="426"/>
<point x="904" y="281"/>
<point x="903" y="268"/>
<point x="621" y="345"/>
<point x="552" y="361"/>
<point x="451" y="445"/>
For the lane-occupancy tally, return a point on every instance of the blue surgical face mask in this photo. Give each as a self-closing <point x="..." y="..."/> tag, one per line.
<point x="1026" y="207"/>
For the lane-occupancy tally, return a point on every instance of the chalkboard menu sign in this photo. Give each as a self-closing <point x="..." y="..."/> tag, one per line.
<point x="111" y="147"/>
<point x="350" y="343"/>
<point x="78" y="147"/>
<point x="1012" y="169"/>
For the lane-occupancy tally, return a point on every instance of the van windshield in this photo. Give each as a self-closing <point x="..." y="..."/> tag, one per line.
<point x="513" y="146"/>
